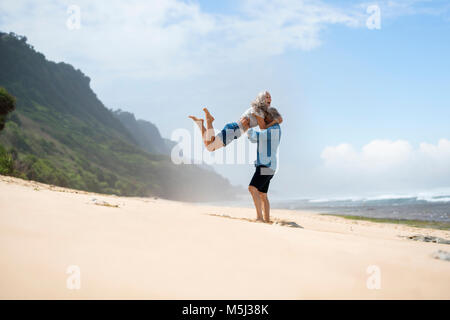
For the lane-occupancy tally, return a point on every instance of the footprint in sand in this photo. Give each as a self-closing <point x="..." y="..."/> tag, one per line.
<point x="441" y="255"/>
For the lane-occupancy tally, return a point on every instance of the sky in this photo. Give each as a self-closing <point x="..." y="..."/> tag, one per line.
<point x="365" y="101"/>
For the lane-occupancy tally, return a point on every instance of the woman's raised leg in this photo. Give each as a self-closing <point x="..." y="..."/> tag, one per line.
<point x="210" y="135"/>
<point x="200" y="124"/>
<point x="211" y="143"/>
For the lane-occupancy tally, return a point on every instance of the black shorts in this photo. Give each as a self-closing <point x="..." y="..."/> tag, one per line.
<point x="261" y="178"/>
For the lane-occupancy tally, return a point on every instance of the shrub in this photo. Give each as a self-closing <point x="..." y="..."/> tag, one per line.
<point x="7" y="104"/>
<point x="6" y="162"/>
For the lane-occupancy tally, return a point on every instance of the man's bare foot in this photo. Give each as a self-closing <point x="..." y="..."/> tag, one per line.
<point x="196" y="119"/>
<point x="208" y="115"/>
<point x="259" y="220"/>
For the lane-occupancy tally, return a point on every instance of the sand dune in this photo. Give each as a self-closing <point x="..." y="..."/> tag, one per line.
<point x="149" y="248"/>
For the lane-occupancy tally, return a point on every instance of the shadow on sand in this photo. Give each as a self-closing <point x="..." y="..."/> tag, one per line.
<point x="276" y="221"/>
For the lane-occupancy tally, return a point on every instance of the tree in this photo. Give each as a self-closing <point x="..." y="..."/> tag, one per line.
<point x="7" y="105"/>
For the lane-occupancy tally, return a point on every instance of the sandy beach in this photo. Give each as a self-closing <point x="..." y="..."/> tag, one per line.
<point x="146" y="248"/>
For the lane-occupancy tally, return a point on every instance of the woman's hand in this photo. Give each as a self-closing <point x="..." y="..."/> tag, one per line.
<point x="279" y="120"/>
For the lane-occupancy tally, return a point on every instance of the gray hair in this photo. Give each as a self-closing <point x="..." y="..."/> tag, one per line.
<point x="259" y="104"/>
<point x="274" y="113"/>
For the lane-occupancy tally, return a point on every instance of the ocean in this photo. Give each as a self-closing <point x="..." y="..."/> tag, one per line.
<point x="426" y="206"/>
<point x="412" y="207"/>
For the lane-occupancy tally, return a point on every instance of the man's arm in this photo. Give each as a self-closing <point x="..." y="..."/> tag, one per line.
<point x="255" y="135"/>
<point x="252" y="135"/>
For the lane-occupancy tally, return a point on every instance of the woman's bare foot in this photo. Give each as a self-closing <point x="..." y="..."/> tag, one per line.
<point x="200" y="123"/>
<point x="196" y="119"/>
<point x="208" y="115"/>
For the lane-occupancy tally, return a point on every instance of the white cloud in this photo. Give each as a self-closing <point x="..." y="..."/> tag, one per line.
<point x="164" y="40"/>
<point x="376" y="156"/>
<point x="171" y="38"/>
<point x="383" y="164"/>
<point x="439" y="152"/>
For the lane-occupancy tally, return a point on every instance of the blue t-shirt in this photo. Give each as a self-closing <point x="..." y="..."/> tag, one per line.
<point x="268" y="141"/>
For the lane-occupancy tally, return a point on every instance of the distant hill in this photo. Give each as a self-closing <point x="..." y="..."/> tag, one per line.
<point x="145" y="133"/>
<point x="62" y="134"/>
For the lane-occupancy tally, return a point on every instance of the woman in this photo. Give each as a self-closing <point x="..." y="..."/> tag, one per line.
<point x="252" y="117"/>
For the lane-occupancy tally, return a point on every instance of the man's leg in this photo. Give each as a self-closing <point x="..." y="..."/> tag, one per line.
<point x="257" y="201"/>
<point x="265" y="206"/>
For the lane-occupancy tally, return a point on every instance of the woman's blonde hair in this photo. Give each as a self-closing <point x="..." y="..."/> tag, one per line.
<point x="260" y="104"/>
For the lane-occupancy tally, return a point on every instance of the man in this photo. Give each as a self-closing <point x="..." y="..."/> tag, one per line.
<point x="266" y="163"/>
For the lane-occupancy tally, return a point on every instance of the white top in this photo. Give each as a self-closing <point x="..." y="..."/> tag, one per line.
<point x="250" y="115"/>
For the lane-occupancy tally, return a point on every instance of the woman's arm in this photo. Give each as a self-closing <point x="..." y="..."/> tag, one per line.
<point x="262" y="124"/>
<point x="279" y="120"/>
<point x="271" y="123"/>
